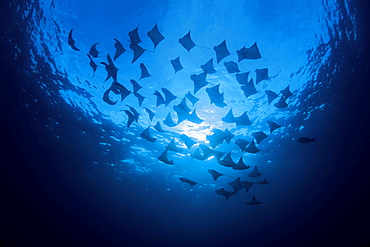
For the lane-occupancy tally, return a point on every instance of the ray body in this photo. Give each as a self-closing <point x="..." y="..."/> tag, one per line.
<point x="176" y="64"/>
<point x="249" y="53"/>
<point x="135" y="112"/>
<point x="193" y="117"/>
<point x="252" y="148"/>
<point x="138" y="51"/>
<point x="208" y="67"/>
<point x="197" y="154"/>
<point x="225" y="193"/>
<point x="199" y="81"/>
<point x="259" y="135"/>
<point x="242" y="120"/>
<point x="155" y="36"/>
<point x="182" y="110"/>
<point x="254" y="173"/>
<point x="271" y="96"/>
<point x="93" y="51"/>
<point x="242" y="78"/>
<point x="92" y="64"/>
<point x="236" y="184"/>
<point x="273" y="126"/>
<point x="227" y="161"/>
<point x="168" y="121"/>
<point x="164" y="158"/>
<point x="150" y="113"/>
<point x="187" y="140"/>
<point x="107" y="99"/>
<point x="306" y="140"/>
<point x="192" y="98"/>
<point x="281" y="103"/>
<point x="158" y="127"/>
<point x="264" y="181"/>
<point x="188" y="181"/>
<point x="261" y="74"/>
<point x="134" y="36"/>
<point x="168" y="96"/>
<point x="215" y="96"/>
<point x="130" y="116"/>
<point x="249" y="88"/>
<point x="71" y="41"/>
<point x="146" y="135"/>
<point x="119" y="49"/>
<point x="229" y="118"/>
<point x="211" y="153"/>
<point x="240" y="165"/>
<point x="221" y="51"/>
<point x="144" y="71"/>
<point x="187" y="42"/>
<point x="231" y="67"/>
<point x="253" y="202"/>
<point x="120" y="89"/>
<point x="111" y="69"/>
<point x="140" y="98"/>
<point x="136" y="87"/>
<point x="172" y="147"/>
<point x="215" y="174"/>
<point x="242" y="144"/>
<point x="160" y="99"/>
<point x="286" y="92"/>
<point x="247" y="185"/>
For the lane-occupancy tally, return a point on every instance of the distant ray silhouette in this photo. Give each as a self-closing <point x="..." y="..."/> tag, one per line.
<point x="135" y="85"/>
<point x="224" y="193"/>
<point x="211" y="153"/>
<point x="150" y="112"/>
<point x="215" y="96"/>
<point x="182" y="111"/>
<point x="146" y="135"/>
<point x="229" y="118"/>
<point x="227" y="161"/>
<point x="164" y="158"/>
<point x="260" y="135"/>
<point x="168" y="121"/>
<point x="93" y="51"/>
<point x="160" y="99"/>
<point x="242" y="78"/>
<point x="138" y="51"/>
<point x="176" y="64"/>
<point x="264" y="181"/>
<point x="193" y="117"/>
<point x="71" y="41"/>
<point x="168" y="96"/>
<point x="192" y="98"/>
<point x="221" y="51"/>
<point x="158" y="127"/>
<point x="242" y="144"/>
<point x="281" y="103"/>
<point x="110" y="68"/>
<point x="236" y="184"/>
<point x="187" y="140"/>
<point x="130" y="116"/>
<point x="261" y="74"/>
<point x="144" y="71"/>
<point x="231" y="67"/>
<point x="252" y="148"/>
<point x="107" y="99"/>
<point x="271" y="96"/>
<point x="187" y="42"/>
<point x="119" y="49"/>
<point x="286" y="92"/>
<point x="208" y="67"/>
<point x="199" y="81"/>
<point x="247" y="185"/>
<point x="135" y="112"/>
<point x="172" y="147"/>
<point x="306" y="140"/>
<point x="155" y="36"/>
<point x="249" y="53"/>
<point x="240" y="165"/>
<point x="215" y="174"/>
<point x="254" y="173"/>
<point x="243" y="120"/>
<point x="249" y="88"/>
<point x="140" y="98"/>
<point x="273" y="126"/>
<point x="188" y="181"/>
<point x="93" y="65"/>
<point x="253" y="202"/>
<point x="120" y="89"/>
<point x="197" y="154"/>
<point x="134" y="36"/>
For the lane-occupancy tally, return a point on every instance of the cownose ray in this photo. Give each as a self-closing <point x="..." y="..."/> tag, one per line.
<point x="228" y="135"/>
<point x="252" y="148"/>
<point x="208" y="67"/>
<point x="140" y="98"/>
<point x="199" y="81"/>
<point x="225" y="193"/>
<point x="271" y="95"/>
<point x="168" y="121"/>
<point x="227" y="161"/>
<point x="111" y="69"/>
<point x="259" y="136"/>
<point x="247" y="185"/>
<point x="93" y="65"/>
<point x="286" y="92"/>
<point x="236" y="184"/>
<point x="281" y="103"/>
<point x="164" y="158"/>
<point x="219" y="136"/>
<point x="158" y="127"/>
<point x="242" y="120"/>
<point x="215" y="96"/>
<point x="242" y="78"/>
<point x="135" y="86"/>
<point x="172" y="146"/>
<point x="146" y="135"/>
<point x="264" y="181"/>
<point x="197" y="154"/>
<point x="168" y="96"/>
<point x="144" y="71"/>
<point x="240" y="165"/>
<point x="261" y="74"/>
<point x="138" y="51"/>
<point x="306" y="140"/>
<point x="150" y="113"/>
<point x="130" y="116"/>
<point x="254" y="173"/>
<point x="249" y="53"/>
<point x="182" y="110"/>
<point x="229" y="118"/>
<point x="94" y="51"/>
<point x="208" y="153"/>
<point x="253" y="202"/>
<point x="118" y="88"/>
<point x="188" y="181"/>
<point x="242" y="144"/>
<point x="248" y="88"/>
<point x="221" y="51"/>
<point x="215" y="174"/>
<point x="155" y="36"/>
<point x="192" y="98"/>
<point x="231" y="67"/>
<point x="119" y="49"/>
<point x="160" y="99"/>
<point x="135" y="112"/>
<point x="273" y="126"/>
<point x="187" y="42"/>
<point x="193" y="117"/>
<point x="107" y="99"/>
<point x="187" y="140"/>
<point x="176" y="64"/>
<point x="134" y="36"/>
<point x="71" y="41"/>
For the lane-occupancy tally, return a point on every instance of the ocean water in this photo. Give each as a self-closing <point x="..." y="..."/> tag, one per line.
<point x="75" y="174"/>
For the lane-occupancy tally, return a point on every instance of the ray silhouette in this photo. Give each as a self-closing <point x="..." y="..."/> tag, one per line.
<point x="155" y="36"/>
<point x="225" y="193"/>
<point x="187" y="140"/>
<point x="130" y="116"/>
<point x="172" y="147"/>
<point x="134" y="36"/>
<point x="158" y="127"/>
<point x="259" y="136"/>
<point x="253" y="202"/>
<point x="247" y="185"/>
<point x="211" y="153"/>
<point x="240" y="165"/>
<point x="221" y="51"/>
<point x="281" y="103"/>
<point x="252" y="148"/>
<point x="71" y="41"/>
<point x="118" y="88"/>
<point x="271" y="96"/>
<point x="306" y="140"/>
<point x="197" y="154"/>
<point x="192" y="98"/>
<point x="199" y="81"/>
<point x="182" y="110"/>
<point x="231" y="67"/>
<point x="208" y="67"/>
<point x="136" y="87"/>
<point x="264" y="181"/>
<point x="93" y="65"/>
<point x="188" y="181"/>
<point x="254" y="173"/>
<point x="107" y="99"/>
<point x="273" y="126"/>
<point x="242" y="120"/>
<point x="160" y="99"/>
<point x="168" y="121"/>
<point x="236" y="184"/>
<point x="242" y="78"/>
<point x="146" y="135"/>
<point x="261" y="74"/>
<point x="138" y="51"/>
<point x="119" y="49"/>
<point x="135" y="112"/>
<point x="215" y="174"/>
<point x="187" y="42"/>
<point x="110" y="68"/>
<point x="140" y="98"/>
<point x="150" y="113"/>
<point x="144" y="71"/>
<point x="216" y="138"/>
<point x="93" y="51"/>
<point x="242" y="144"/>
<point x="229" y="118"/>
<point x="249" y="88"/>
<point x="286" y="92"/>
<point x="193" y="117"/>
<point x="249" y="53"/>
<point x="227" y="161"/>
<point x="176" y="64"/>
<point x="215" y="96"/>
<point x="164" y="158"/>
<point x="168" y="96"/>
<point x="228" y="136"/>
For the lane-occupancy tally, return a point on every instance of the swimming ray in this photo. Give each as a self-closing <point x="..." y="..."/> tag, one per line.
<point x="199" y="81"/>
<point x="176" y="64"/>
<point x="215" y="139"/>
<point x="130" y="116"/>
<point x="164" y="158"/>
<point x="249" y="88"/>
<point x="187" y="42"/>
<point x="71" y="41"/>
<point x="252" y="148"/>
<point x="172" y="146"/>
<point x="135" y="112"/>
<point x="273" y="126"/>
<point x="286" y="92"/>
<point x="240" y="165"/>
<point x="254" y="173"/>
<point x="92" y="64"/>
<point x="168" y="96"/>
<point x="193" y="117"/>
<point x="281" y="103"/>
<point x="160" y="100"/>
<point x="221" y="51"/>
<point x="231" y="67"/>
<point x="215" y="96"/>
<point x="242" y="120"/>
<point x="225" y="193"/>
<point x="228" y="136"/>
<point x="264" y="181"/>
<point x="306" y="140"/>
<point x="208" y="67"/>
<point x="144" y="71"/>
<point x="192" y="98"/>
<point x="158" y="127"/>
<point x="168" y="121"/>
<point x="197" y="154"/>
<point x="107" y="99"/>
<point x="211" y="153"/>
<point x="146" y="135"/>
<point x="229" y="118"/>
<point x="261" y="74"/>
<point x="253" y="201"/>
<point x="247" y="185"/>
<point x="227" y="161"/>
<point x="271" y="96"/>
<point x="140" y="98"/>
<point x="135" y="85"/>
<point x="93" y="51"/>
<point x="182" y="110"/>
<point x="110" y="68"/>
<point x="118" y="88"/>
<point x="236" y="184"/>
<point x="119" y="49"/>
<point x="138" y="51"/>
<point x="155" y="36"/>
<point x="249" y="53"/>
<point x="260" y="135"/>
<point x="242" y="78"/>
<point x="188" y="181"/>
<point x="134" y="36"/>
<point x="215" y="174"/>
<point x="150" y="112"/>
<point x="187" y="140"/>
<point x="242" y="144"/>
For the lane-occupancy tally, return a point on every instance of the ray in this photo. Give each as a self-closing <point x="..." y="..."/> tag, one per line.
<point x="188" y="181"/>
<point x="150" y="113"/>
<point x="242" y="78"/>
<point x="261" y="74"/>
<point x="247" y="185"/>
<point x="211" y="153"/>
<point x="231" y="67"/>
<point x="221" y="51"/>
<point x="192" y="98"/>
<point x="215" y="96"/>
<point x="224" y="193"/>
<point x="187" y="140"/>
<point x="199" y="81"/>
<point x="136" y="87"/>
<point x="172" y="147"/>
<point x="187" y="42"/>
<point x="215" y="139"/>
<point x="249" y="88"/>
<point x="134" y="36"/>
<point x="107" y="99"/>
<point x="197" y="154"/>
<point x="164" y="158"/>
<point x="146" y="135"/>
<point x="93" y="51"/>
<point x="130" y="116"/>
<point x="271" y="96"/>
<point x="182" y="110"/>
<point x="135" y="112"/>
<point x="118" y="88"/>
<point x="168" y="121"/>
<point x="273" y="126"/>
<point x="242" y="120"/>
<point x="168" y="96"/>
<point x="160" y="100"/>
<point x="119" y="49"/>
<point x="281" y="103"/>
<point x="306" y="140"/>
<point x="240" y="165"/>
<point x="249" y="53"/>
<point x="208" y="67"/>
<point x="110" y="68"/>
<point x="138" y="51"/>
<point x="242" y="143"/>
<point x="140" y="98"/>
<point x="252" y="148"/>
<point x="144" y="71"/>
<point x="71" y="41"/>
<point x="236" y="184"/>
<point x="229" y="118"/>
<point x="93" y="65"/>
<point x="253" y="202"/>
<point x="254" y="173"/>
<point x="227" y="161"/>
<point x="193" y="117"/>
<point x="176" y="64"/>
<point x="286" y="92"/>
<point x="228" y="136"/>
<point x="259" y="136"/>
<point x="155" y="36"/>
<point x="215" y="174"/>
<point x="158" y="127"/>
<point x="264" y="181"/>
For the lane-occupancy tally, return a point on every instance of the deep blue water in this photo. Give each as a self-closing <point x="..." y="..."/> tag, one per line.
<point x="73" y="173"/>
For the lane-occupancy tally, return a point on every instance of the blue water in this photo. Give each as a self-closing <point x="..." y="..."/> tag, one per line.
<point x="75" y="175"/>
